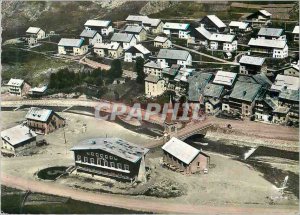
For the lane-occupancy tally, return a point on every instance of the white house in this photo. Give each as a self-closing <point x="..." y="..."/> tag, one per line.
<point x="271" y="34"/>
<point x="138" y="31"/>
<point x="162" y="42"/>
<point x="239" y="27"/>
<point x="112" y="50"/>
<point x="18" y="87"/>
<point x="154" y="26"/>
<point x="285" y="82"/>
<point x="136" y="51"/>
<point x="104" y="27"/>
<point x="153" y="68"/>
<point x="167" y="57"/>
<point x="126" y="40"/>
<point x="269" y="47"/>
<point x="154" y="86"/>
<point x="180" y="30"/>
<point x="224" y="78"/>
<point x="225" y="42"/>
<point x="91" y="36"/>
<point x="68" y="46"/>
<point x="36" y="32"/>
<point x="296" y="33"/>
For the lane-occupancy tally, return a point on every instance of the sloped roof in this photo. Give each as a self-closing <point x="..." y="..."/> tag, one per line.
<point x="173" y="70"/>
<point x="245" y="91"/>
<point x="197" y="83"/>
<point x="133" y="29"/>
<point x="38" y="114"/>
<point x="115" y="146"/>
<point x="225" y="78"/>
<point x="109" y="46"/>
<point x="143" y="19"/>
<point x="152" y="78"/>
<point x="213" y="90"/>
<point x="272" y="32"/>
<point x="97" y="23"/>
<point x="160" y="39"/>
<point x="70" y="42"/>
<point x="15" y="82"/>
<point x="296" y="29"/>
<point x="264" y="12"/>
<point x="218" y="22"/>
<point x="285" y="82"/>
<point x="177" y="26"/>
<point x="222" y="37"/>
<point x="153" y="64"/>
<point x="181" y="150"/>
<point x="261" y="42"/>
<point x="251" y="60"/>
<point x="122" y="37"/>
<point x="173" y="54"/>
<point x="140" y="48"/>
<point x="292" y="95"/>
<point x="88" y="33"/>
<point x="204" y="32"/>
<point x="240" y="25"/>
<point x="33" y="30"/>
<point x="38" y="89"/>
<point x="17" y="134"/>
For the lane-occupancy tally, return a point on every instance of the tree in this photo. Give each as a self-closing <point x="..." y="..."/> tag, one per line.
<point x="139" y="69"/>
<point x="116" y="69"/>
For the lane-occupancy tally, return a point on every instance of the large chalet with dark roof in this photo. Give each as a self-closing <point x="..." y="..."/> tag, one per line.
<point x="212" y="23"/>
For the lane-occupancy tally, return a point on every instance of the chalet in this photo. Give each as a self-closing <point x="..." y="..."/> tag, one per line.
<point x="17" y="138"/>
<point x="162" y="42"/>
<point x="242" y="98"/>
<point x="197" y="83"/>
<point x="225" y="42"/>
<point x="35" y="32"/>
<point x="153" y="68"/>
<point x="38" y="91"/>
<point x="181" y="84"/>
<point x="271" y="34"/>
<point x="284" y="82"/>
<point x="236" y="27"/>
<point x="264" y="108"/>
<point x="259" y="78"/>
<point x="280" y="115"/>
<point x="43" y="121"/>
<point x="259" y="18"/>
<point x="154" y="85"/>
<point x="111" y="157"/>
<point x="290" y="99"/>
<point x="250" y="65"/>
<point x="296" y="33"/>
<point x="270" y="48"/>
<point x="104" y="27"/>
<point x="180" y="30"/>
<point x="182" y="157"/>
<point x="91" y="36"/>
<point x="226" y="79"/>
<point x="167" y="57"/>
<point x="213" y="23"/>
<point x="138" y="31"/>
<point x="74" y="47"/>
<point x="126" y="40"/>
<point x="18" y="87"/>
<point x="136" y="51"/>
<point x="200" y="36"/>
<point x="111" y="50"/>
<point x="212" y="97"/>
<point x="169" y="73"/>
<point x="154" y="26"/>
<point x="292" y="70"/>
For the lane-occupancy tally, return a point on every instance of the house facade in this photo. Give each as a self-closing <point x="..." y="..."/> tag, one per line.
<point x="259" y="18"/>
<point x="111" y="50"/>
<point x="111" y="157"/>
<point x="225" y="42"/>
<point x="250" y="65"/>
<point x="200" y="36"/>
<point x="18" y="87"/>
<point x="126" y="40"/>
<point x="136" y="51"/>
<point x="212" y="94"/>
<point x="213" y="23"/>
<point x="138" y="31"/>
<point x="153" y="68"/>
<point x="43" y="121"/>
<point x="154" y="86"/>
<point x="236" y="27"/>
<point x="181" y="157"/>
<point x="35" y="32"/>
<point x="180" y="30"/>
<point x="271" y="34"/>
<point x="167" y="57"/>
<point x="91" y="36"/>
<point x="162" y="42"/>
<point x="154" y="26"/>
<point x="103" y="27"/>
<point x="74" y="47"/>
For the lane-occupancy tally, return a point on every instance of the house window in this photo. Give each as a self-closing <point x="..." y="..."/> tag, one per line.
<point x="92" y="160"/>
<point x="106" y="156"/>
<point x="101" y="155"/>
<point x="112" y="164"/>
<point x="97" y="155"/>
<point x="126" y="167"/>
<point x="116" y="158"/>
<point x="78" y="157"/>
<point x="105" y="163"/>
<point x="85" y="159"/>
<point x="110" y="157"/>
<point x="99" y="161"/>
<point x="88" y="153"/>
<point x="92" y="153"/>
<point x="198" y="163"/>
<point x="119" y="166"/>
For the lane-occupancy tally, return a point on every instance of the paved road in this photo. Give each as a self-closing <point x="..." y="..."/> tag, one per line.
<point x="134" y="203"/>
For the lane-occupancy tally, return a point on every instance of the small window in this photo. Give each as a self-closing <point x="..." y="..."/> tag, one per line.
<point x="97" y="155"/>
<point x="78" y="157"/>
<point x="106" y="156"/>
<point x="85" y="159"/>
<point x="112" y="164"/>
<point x="98" y="161"/>
<point x="92" y="153"/>
<point x="111" y="157"/>
<point x="105" y="163"/>
<point x="92" y="160"/>
<point x="119" y="166"/>
<point x="126" y="167"/>
<point x="88" y="153"/>
<point x="101" y="155"/>
<point x="116" y="158"/>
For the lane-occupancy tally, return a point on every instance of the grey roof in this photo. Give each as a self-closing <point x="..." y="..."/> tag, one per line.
<point x="213" y="90"/>
<point x="262" y="79"/>
<point x="264" y="12"/>
<point x="153" y="64"/>
<point x="88" y="33"/>
<point x="38" y="89"/>
<point x="122" y="37"/>
<point x="218" y="22"/>
<point x="197" y="85"/>
<point x="240" y="25"/>
<point x="33" y="30"/>
<point x="296" y="29"/>
<point x="70" y="42"/>
<point x="152" y="78"/>
<point x="97" y="23"/>
<point x="245" y="91"/>
<point x="144" y="20"/>
<point x="181" y="150"/>
<point x="285" y="82"/>
<point x="225" y="78"/>
<point x="108" y="46"/>
<point x="222" y="37"/>
<point x="38" y="114"/>
<point x="273" y="32"/>
<point x="173" y="70"/>
<point x="204" y="32"/>
<point x="177" y="26"/>
<point x="251" y="60"/>
<point x="173" y="54"/>
<point x="261" y="42"/>
<point x="17" y="134"/>
<point x="292" y="95"/>
<point x="15" y="82"/>
<point x="115" y="146"/>
<point x="160" y="39"/>
<point x="133" y="29"/>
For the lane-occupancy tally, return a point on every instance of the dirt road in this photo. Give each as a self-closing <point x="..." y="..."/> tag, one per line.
<point x="154" y="205"/>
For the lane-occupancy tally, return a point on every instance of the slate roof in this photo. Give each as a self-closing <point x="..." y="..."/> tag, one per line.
<point x="133" y="29"/>
<point x="181" y="150"/>
<point x="115" y="146"/>
<point x="153" y="64"/>
<point x="213" y="90"/>
<point x="292" y="95"/>
<point x="122" y="37"/>
<point x="177" y="26"/>
<point x="38" y="114"/>
<point x="15" y="82"/>
<point x="18" y="134"/>
<point x="204" y="32"/>
<point x="140" y="48"/>
<point x="240" y="25"/>
<point x="38" y="89"/>
<point x="285" y="81"/>
<point x="222" y="37"/>
<point x="33" y="30"/>
<point x="197" y="83"/>
<point x="264" y="12"/>
<point x="225" y="78"/>
<point x="88" y="33"/>
<point x="160" y="39"/>
<point x="251" y="60"/>
<point x="97" y="23"/>
<point x="261" y="42"/>
<point x="144" y="19"/>
<point x="109" y="46"/>
<point x="218" y="22"/>
<point x="245" y="91"/>
<point x="173" y="54"/>
<point x="173" y="70"/>
<point x="70" y="42"/>
<point x="152" y="78"/>
<point x="272" y="32"/>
